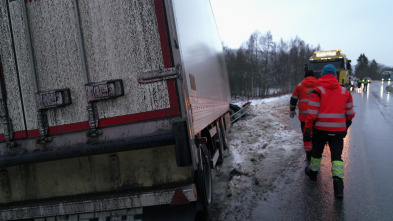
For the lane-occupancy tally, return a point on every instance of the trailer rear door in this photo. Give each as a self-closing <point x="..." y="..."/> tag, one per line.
<point x="74" y="65"/>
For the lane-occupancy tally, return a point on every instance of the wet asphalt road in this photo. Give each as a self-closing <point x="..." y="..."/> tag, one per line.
<point x="368" y="166"/>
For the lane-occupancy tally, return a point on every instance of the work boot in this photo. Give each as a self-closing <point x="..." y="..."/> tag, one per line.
<point x="338" y="185"/>
<point x="312" y="174"/>
<point x="308" y="156"/>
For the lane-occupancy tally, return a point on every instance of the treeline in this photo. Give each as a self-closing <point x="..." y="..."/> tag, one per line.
<point x="262" y="67"/>
<point x="365" y="68"/>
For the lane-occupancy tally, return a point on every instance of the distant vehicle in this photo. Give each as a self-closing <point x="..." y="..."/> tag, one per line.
<point x="387" y="75"/>
<point x="335" y="57"/>
<point x="350" y="85"/>
<point x="368" y="79"/>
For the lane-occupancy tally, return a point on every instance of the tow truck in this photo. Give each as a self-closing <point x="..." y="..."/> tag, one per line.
<point x="321" y="58"/>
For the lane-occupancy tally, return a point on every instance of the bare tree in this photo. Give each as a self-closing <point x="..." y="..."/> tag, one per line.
<point x="261" y="65"/>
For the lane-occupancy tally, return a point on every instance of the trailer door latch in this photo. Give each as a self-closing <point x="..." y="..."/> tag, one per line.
<point x="104" y="90"/>
<point x="159" y="75"/>
<point x="53" y="99"/>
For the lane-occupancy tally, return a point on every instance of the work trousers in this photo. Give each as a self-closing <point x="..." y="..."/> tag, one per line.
<point x="307" y="142"/>
<point x="334" y="139"/>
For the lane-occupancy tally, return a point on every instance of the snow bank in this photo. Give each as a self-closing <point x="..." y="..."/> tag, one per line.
<point x="260" y="146"/>
<point x="262" y="129"/>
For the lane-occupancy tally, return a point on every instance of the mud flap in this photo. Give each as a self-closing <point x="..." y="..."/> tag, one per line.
<point x="183" y="153"/>
<point x="204" y="184"/>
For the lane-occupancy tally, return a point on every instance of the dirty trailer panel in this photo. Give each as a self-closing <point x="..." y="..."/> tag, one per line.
<point x="103" y="102"/>
<point x="75" y="52"/>
<point x="78" y="45"/>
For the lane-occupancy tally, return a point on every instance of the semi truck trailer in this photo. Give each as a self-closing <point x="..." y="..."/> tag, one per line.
<point x="109" y="107"/>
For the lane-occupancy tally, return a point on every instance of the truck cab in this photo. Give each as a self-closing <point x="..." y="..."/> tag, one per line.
<point x="335" y="57"/>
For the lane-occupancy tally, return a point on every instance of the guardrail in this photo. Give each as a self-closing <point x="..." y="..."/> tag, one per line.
<point x="240" y="111"/>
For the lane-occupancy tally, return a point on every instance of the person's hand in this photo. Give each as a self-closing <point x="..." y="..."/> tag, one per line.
<point x="307" y="134"/>
<point x="292" y="114"/>
<point x="348" y="123"/>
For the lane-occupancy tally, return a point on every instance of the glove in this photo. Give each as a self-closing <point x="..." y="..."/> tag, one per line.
<point x="307" y="134"/>
<point x="292" y="114"/>
<point x="348" y="123"/>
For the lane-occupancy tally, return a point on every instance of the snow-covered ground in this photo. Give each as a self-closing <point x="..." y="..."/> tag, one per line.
<point x="262" y="146"/>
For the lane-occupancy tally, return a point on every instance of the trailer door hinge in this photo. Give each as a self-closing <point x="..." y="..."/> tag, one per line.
<point x="160" y="75"/>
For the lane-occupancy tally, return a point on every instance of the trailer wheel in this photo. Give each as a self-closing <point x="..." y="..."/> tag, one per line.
<point x="220" y="143"/>
<point x="224" y="133"/>
<point x="204" y="183"/>
<point x="234" y="107"/>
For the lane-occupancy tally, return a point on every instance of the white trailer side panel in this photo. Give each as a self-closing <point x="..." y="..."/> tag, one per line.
<point x="203" y="61"/>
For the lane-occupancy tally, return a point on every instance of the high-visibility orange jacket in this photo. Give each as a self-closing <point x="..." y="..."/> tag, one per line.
<point x="330" y="106"/>
<point x="301" y="94"/>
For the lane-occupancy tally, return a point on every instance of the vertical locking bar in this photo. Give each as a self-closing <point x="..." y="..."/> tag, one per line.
<point x="6" y="119"/>
<point x="8" y="132"/>
<point x="41" y="115"/>
<point x="91" y="107"/>
<point x="3" y="108"/>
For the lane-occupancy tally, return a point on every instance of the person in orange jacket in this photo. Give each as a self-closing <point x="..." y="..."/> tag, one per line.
<point x="330" y="113"/>
<point x="301" y="95"/>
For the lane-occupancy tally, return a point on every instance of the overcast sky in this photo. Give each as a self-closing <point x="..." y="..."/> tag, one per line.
<point x="355" y="26"/>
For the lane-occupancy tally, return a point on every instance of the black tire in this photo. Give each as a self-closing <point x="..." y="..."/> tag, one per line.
<point x="234" y="107"/>
<point x="204" y="183"/>
<point x="220" y="143"/>
<point x="224" y="134"/>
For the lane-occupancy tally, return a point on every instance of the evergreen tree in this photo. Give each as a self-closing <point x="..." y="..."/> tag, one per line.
<point x="373" y="70"/>
<point x="362" y="67"/>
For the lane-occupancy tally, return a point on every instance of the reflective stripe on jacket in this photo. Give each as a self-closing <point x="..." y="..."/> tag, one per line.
<point x="301" y="94"/>
<point x="330" y="106"/>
